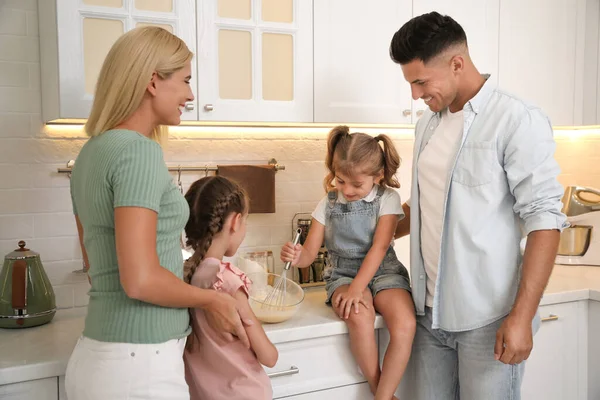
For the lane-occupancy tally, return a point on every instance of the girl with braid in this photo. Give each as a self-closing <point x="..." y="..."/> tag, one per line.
<point x="216" y="368"/>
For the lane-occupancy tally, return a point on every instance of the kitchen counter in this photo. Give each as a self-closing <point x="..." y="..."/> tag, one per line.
<point x="42" y="352"/>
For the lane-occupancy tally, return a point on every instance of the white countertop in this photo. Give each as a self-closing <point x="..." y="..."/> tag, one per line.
<point x="42" y="352"/>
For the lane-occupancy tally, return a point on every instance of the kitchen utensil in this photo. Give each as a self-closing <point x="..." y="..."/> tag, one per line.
<point x="26" y="294"/>
<point x="276" y="296"/>
<point x="580" y="243"/>
<point x="262" y="284"/>
<point x="263" y="258"/>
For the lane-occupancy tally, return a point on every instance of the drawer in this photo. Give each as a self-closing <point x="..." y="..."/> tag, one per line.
<point x="350" y="392"/>
<point x="41" y="389"/>
<point x="314" y="364"/>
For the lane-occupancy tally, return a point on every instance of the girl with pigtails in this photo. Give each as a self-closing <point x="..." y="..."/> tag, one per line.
<point x="357" y="219"/>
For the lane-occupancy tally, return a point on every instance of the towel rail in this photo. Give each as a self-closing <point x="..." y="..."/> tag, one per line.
<point x="180" y="168"/>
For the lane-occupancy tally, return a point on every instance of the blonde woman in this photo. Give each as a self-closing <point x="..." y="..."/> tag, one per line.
<point x="129" y="216"/>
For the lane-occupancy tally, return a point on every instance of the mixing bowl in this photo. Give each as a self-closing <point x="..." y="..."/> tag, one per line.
<point x="276" y="308"/>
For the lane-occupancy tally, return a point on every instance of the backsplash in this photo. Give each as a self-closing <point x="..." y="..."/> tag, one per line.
<point x="35" y="202"/>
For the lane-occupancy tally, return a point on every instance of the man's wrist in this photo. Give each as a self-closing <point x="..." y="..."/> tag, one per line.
<point x="522" y="314"/>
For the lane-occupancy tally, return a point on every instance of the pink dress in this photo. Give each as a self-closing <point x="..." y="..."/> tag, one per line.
<point x="214" y="368"/>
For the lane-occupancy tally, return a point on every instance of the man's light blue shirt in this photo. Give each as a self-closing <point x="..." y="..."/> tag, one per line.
<point x="502" y="185"/>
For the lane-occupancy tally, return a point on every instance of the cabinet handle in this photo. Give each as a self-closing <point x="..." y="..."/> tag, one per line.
<point x="292" y="371"/>
<point x="551" y="317"/>
<point x="406" y="113"/>
<point x="189" y="106"/>
<point x="209" y="107"/>
<point x="420" y="113"/>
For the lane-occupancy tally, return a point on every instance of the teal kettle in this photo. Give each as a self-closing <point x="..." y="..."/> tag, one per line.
<point x="26" y="294"/>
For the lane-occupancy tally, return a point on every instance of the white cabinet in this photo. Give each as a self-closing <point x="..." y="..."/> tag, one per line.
<point x="351" y="392"/>
<point x="593" y="65"/>
<point x="314" y="364"/>
<point x="593" y="350"/>
<point x="62" y="391"/>
<point x="255" y="60"/>
<point x="480" y="19"/>
<point x="76" y="35"/>
<point x="295" y="61"/>
<point x="541" y="55"/>
<point x="41" y="389"/>
<point x="355" y="78"/>
<point x="556" y="368"/>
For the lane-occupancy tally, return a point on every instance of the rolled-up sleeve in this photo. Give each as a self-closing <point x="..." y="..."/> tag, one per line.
<point x="532" y="173"/>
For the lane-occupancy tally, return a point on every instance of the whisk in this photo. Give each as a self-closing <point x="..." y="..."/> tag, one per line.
<point x="276" y="297"/>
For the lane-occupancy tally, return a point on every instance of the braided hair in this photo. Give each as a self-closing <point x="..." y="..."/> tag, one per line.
<point x="211" y="200"/>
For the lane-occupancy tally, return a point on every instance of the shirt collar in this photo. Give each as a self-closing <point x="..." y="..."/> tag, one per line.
<point x="478" y="101"/>
<point x="368" y="198"/>
<point x="481" y="98"/>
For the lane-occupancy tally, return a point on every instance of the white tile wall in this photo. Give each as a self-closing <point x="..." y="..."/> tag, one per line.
<point x="34" y="199"/>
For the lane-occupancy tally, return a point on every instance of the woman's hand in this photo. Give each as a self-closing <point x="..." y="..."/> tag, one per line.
<point x="224" y="316"/>
<point x="291" y="253"/>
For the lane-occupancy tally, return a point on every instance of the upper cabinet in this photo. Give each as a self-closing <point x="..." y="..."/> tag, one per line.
<point x="255" y="60"/>
<point x="549" y="56"/>
<point x="76" y="35"/>
<point x="355" y="78"/>
<point x="326" y="61"/>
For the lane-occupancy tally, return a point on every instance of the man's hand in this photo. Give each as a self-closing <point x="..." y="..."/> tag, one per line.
<point x="514" y="340"/>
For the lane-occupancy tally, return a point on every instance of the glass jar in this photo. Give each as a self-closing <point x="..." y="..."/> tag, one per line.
<point x="317" y="267"/>
<point x="304" y="226"/>
<point x="263" y="258"/>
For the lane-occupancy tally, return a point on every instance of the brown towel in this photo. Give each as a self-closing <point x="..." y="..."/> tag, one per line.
<point x="257" y="180"/>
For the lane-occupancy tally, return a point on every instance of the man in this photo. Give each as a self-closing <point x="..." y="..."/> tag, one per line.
<point x="483" y="175"/>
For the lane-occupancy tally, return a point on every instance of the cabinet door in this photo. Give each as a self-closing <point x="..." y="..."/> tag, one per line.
<point x="480" y="20"/>
<point x="355" y="79"/>
<point x="350" y="392"/>
<point x="593" y="351"/>
<point x="553" y="370"/>
<point x="312" y="365"/>
<point x="41" y="389"/>
<point x="255" y="60"/>
<point x="541" y="56"/>
<point x="595" y="118"/>
<point x="62" y="391"/>
<point x="76" y="35"/>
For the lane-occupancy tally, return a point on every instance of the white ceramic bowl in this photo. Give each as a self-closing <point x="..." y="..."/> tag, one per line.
<point x="273" y="307"/>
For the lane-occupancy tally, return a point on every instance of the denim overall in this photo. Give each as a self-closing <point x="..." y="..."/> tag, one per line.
<point x="349" y="231"/>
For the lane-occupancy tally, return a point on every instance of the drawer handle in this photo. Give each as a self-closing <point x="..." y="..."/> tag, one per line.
<point x="551" y="317"/>
<point x="292" y="371"/>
